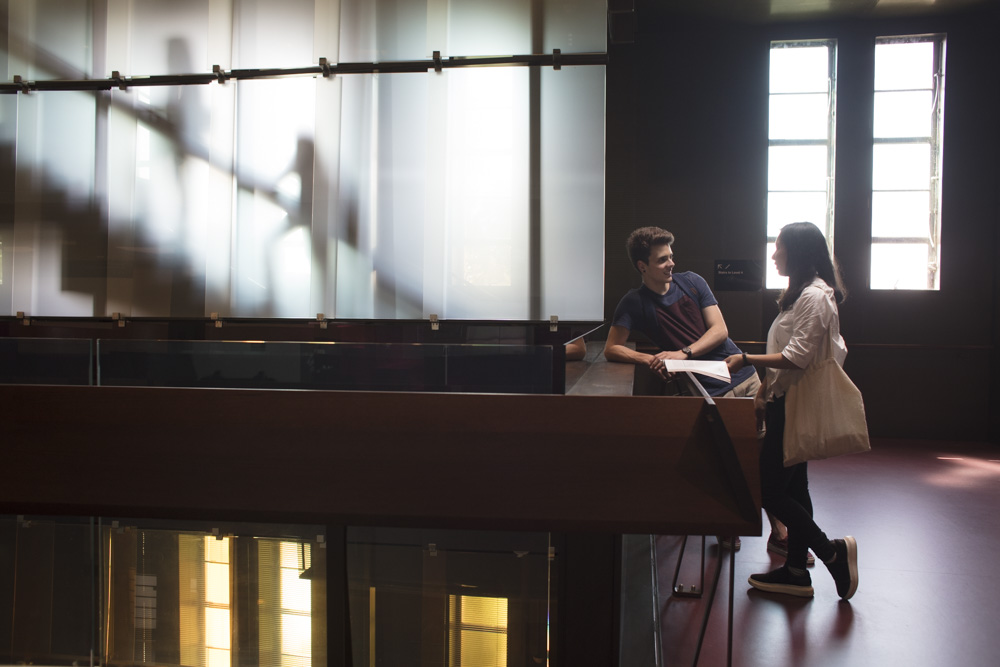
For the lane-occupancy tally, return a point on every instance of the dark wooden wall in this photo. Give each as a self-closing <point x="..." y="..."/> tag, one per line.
<point x="687" y="150"/>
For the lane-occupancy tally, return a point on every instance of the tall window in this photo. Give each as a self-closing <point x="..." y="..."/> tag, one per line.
<point x="801" y="135"/>
<point x="284" y="603"/>
<point x="205" y="605"/>
<point x="477" y="631"/>
<point x="906" y="168"/>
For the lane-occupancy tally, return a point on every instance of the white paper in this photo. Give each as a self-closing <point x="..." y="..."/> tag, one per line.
<point x="715" y="369"/>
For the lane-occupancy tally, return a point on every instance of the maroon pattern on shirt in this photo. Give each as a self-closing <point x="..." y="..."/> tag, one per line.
<point x="681" y="323"/>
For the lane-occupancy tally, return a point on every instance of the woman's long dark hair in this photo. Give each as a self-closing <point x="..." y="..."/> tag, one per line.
<point x="807" y="256"/>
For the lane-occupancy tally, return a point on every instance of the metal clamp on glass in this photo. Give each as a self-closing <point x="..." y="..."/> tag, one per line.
<point x="220" y="73"/>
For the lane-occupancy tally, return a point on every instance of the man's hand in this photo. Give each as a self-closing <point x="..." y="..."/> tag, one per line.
<point x="657" y="361"/>
<point x="676" y="355"/>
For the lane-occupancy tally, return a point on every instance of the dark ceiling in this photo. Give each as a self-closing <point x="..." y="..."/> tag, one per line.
<point x="770" y="11"/>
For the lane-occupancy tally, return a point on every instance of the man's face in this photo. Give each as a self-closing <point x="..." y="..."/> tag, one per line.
<point x="660" y="267"/>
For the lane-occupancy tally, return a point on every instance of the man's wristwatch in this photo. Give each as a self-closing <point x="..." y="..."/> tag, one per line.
<point x="687" y="350"/>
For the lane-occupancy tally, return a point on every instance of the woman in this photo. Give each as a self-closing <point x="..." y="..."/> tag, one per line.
<point x="807" y="326"/>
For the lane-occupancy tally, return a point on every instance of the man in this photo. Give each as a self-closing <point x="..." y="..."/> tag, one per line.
<point x="678" y="312"/>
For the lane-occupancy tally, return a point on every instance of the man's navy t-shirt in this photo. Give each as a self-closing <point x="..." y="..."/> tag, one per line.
<point x="674" y="320"/>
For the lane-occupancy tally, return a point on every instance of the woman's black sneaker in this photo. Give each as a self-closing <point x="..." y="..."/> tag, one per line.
<point x="844" y="567"/>
<point x="783" y="581"/>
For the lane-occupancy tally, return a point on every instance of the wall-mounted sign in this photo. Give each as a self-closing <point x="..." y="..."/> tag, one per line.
<point x="739" y="275"/>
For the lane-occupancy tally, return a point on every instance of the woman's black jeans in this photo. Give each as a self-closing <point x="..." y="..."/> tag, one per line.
<point x="785" y="492"/>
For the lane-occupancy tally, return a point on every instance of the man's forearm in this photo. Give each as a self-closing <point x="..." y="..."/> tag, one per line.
<point x="626" y="355"/>
<point x="710" y="340"/>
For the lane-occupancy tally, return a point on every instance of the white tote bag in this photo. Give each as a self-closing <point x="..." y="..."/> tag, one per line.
<point x="824" y="415"/>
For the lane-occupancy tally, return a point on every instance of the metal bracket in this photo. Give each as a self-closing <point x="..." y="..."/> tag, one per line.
<point x="435" y="325"/>
<point x="692" y="591"/>
<point x="220" y="73"/>
<point x="437" y="61"/>
<point x="325" y="66"/>
<point x="557" y="59"/>
<point x="553" y="323"/>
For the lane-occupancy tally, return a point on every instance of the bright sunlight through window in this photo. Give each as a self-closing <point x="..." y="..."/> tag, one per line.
<point x="800" y="157"/>
<point x="906" y="167"/>
<point x="477" y="631"/>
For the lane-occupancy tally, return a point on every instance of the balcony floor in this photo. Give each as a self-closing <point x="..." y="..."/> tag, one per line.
<point x="929" y="595"/>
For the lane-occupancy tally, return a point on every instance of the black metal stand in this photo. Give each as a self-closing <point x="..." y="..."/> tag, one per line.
<point x="691" y="591"/>
<point x="744" y="499"/>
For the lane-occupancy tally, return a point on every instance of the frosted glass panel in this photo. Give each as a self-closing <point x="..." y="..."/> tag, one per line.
<point x="388" y="196"/>
<point x="274" y="197"/>
<point x="796" y="168"/>
<point x="482" y="27"/>
<point x="381" y="30"/>
<point x="59" y="239"/>
<point x="572" y="192"/>
<point x="45" y="40"/>
<point x="580" y="26"/>
<point x="162" y="37"/>
<point x="487" y="199"/>
<point x="276" y="34"/>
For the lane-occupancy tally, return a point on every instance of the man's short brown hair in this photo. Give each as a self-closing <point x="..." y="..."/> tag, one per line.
<point x="642" y="240"/>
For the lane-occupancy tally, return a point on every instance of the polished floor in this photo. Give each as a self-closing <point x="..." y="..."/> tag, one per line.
<point x="925" y="517"/>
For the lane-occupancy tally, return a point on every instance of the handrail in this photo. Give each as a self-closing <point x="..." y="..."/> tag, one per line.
<point x="324" y="68"/>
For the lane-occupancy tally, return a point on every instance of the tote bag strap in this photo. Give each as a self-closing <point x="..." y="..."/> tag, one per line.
<point x="826" y="353"/>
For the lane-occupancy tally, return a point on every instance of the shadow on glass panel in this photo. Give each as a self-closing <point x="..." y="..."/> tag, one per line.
<point x="142" y="248"/>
